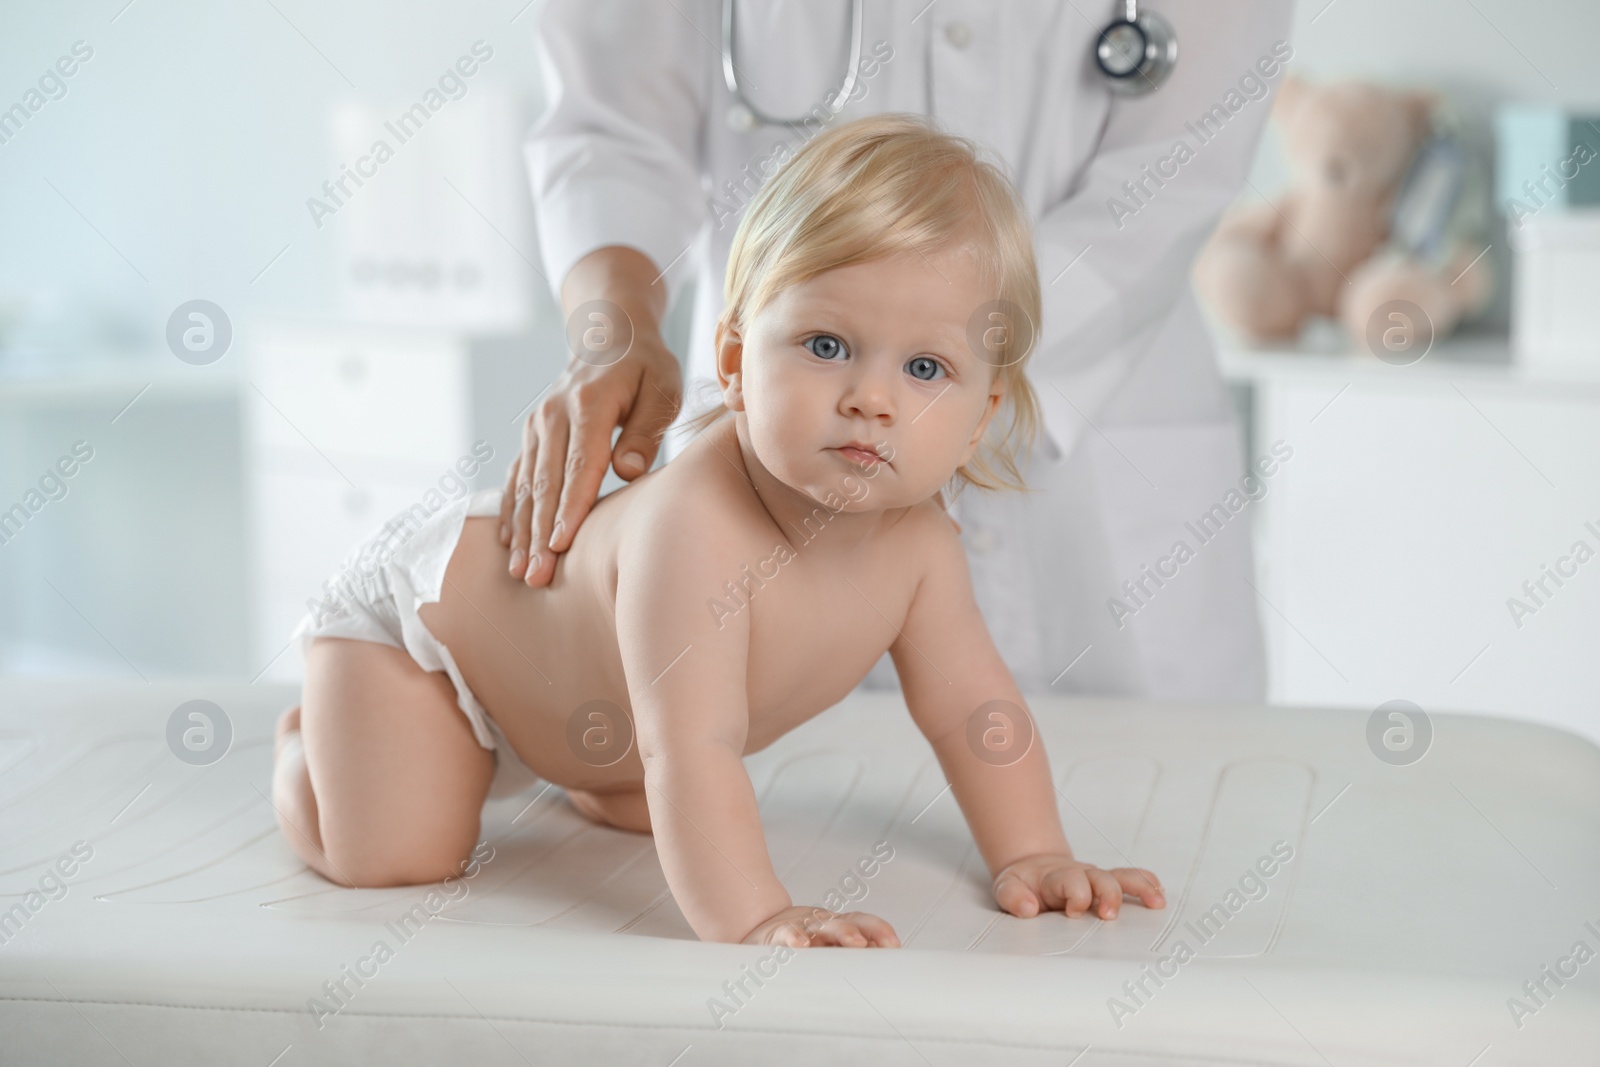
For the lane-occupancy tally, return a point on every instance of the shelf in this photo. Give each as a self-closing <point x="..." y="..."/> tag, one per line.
<point x="1483" y="359"/>
<point x="115" y="380"/>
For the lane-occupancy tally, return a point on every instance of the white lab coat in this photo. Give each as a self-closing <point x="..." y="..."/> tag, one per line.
<point x="635" y="149"/>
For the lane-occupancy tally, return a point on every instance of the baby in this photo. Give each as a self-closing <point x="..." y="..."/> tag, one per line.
<point x="880" y="301"/>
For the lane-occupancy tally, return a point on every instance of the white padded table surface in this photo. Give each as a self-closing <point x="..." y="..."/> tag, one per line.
<point x="1420" y="899"/>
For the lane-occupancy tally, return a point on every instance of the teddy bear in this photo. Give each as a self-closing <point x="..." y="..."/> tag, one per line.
<point x="1324" y="248"/>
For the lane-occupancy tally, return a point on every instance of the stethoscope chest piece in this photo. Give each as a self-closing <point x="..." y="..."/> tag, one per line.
<point x="1136" y="53"/>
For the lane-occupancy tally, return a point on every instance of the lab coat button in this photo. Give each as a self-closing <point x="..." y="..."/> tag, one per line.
<point x="958" y="34"/>
<point x="983" y="540"/>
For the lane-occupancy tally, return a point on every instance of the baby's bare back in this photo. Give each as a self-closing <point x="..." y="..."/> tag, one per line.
<point x="545" y="662"/>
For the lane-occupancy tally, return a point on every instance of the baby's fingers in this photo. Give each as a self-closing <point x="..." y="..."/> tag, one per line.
<point x="1107" y="892"/>
<point x="1067" y="888"/>
<point x="844" y="931"/>
<point x="1015" y="897"/>
<point x="877" y="931"/>
<point x="1138" y="882"/>
<point x="797" y="932"/>
<point x="833" y="930"/>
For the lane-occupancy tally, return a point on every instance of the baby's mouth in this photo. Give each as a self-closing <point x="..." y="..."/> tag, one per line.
<point x="859" y="456"/>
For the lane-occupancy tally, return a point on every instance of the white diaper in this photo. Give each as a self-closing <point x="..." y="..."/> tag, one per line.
<point x="375" y="594"/>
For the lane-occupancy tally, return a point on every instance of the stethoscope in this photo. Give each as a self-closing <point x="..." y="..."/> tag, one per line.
<point x="1135" y="53"/>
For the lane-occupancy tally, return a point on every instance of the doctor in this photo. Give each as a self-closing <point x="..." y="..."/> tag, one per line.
<point x="657" y="135"/>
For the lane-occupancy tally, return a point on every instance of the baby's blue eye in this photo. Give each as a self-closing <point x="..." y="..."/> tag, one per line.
<point x="923" y="368"/>
<point x="830" y="346"/>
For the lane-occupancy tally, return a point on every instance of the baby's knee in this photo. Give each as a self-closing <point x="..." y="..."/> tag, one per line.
<point x="412" y="862"/>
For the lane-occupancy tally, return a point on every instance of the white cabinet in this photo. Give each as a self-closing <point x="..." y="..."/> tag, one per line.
<point x="1421" y="506"/>
<point x="343" y="427"/>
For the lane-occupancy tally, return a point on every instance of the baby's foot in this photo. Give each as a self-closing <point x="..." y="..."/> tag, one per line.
<point x="625" y="811"/>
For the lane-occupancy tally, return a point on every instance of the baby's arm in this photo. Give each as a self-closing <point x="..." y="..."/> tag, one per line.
<point x="949" y="668"/>
<point x="685" y="668"/>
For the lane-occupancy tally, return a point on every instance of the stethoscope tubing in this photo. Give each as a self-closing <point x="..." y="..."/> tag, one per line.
<point x="731" y="76"/>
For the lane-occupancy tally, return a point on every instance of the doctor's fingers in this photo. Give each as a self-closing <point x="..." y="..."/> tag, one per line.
<point x="566" y="448"/>
<point x="642" y="392"/>
<point x="655" y="404"/>
<point x="547" y="464"/>
<point x="522" y="490"/>
<point x="516" y="485"/>
<point x="508" y="498"/>
<point x="518" y="530"/>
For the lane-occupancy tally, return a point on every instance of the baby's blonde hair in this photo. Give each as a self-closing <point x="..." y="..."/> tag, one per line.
<point x="885" y="185"/>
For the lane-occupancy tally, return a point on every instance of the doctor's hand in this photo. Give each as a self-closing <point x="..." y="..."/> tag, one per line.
<point x="1050" y="882"/>
<point x="566" y="441"/>
<point x="566" y="448"/>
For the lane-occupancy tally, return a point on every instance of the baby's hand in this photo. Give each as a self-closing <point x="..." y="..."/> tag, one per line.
<point x="1051" y="881"/>
<point x="803" y="926"/>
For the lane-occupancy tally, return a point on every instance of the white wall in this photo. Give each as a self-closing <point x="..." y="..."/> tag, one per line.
<point x="193" y="137"/>
<point x="176" y="166"/>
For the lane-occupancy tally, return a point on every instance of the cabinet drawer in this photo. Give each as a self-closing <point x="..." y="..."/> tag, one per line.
<point x="360" y="392"/>
<point x="304" y="525"/>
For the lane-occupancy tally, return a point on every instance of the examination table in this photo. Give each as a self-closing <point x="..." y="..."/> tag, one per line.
<point x="1409" y="911"/>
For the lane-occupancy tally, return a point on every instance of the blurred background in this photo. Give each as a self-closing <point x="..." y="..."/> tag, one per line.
<point x="340" y="350"/>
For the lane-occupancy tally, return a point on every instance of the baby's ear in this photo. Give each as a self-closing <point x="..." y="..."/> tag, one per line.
<point x="733" y="392"/>
<point x="994" y="401"/>
<point x="730" y="364"/>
